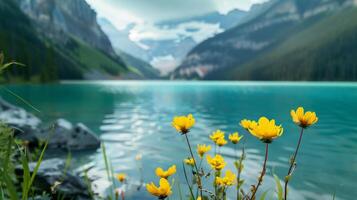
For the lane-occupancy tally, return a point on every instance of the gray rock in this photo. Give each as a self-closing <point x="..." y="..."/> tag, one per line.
<point x="25" y="124"/>
<point x="17" y="116"/>
<point x="52" y="178"/>
<point x="66" y="136"/>
<point x="62" y="135"/>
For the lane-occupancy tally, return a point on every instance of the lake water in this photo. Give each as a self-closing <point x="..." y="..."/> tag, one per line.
<point x="135" y="117"/>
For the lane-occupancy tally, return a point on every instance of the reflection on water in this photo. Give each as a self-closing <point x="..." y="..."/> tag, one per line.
<point x="135" y="117"/>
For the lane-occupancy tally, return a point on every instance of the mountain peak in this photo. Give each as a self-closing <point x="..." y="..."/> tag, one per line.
<point x="264" y="29"/>
<point x="75" y="17"/>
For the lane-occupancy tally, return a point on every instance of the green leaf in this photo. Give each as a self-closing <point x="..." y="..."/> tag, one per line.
<point x="4" y="66"/>
<point x="26" y="175"/>
<point x="8" y="152"/>
<point x="39" y="161"/>
<point x="287" y="178"/>
<point x="9" y="186"/>
<point x="236" y="164"/>
<point x="241" y="182"/>
<point x="264" y="195"/>
<point x="241" y="168"/>
<point x="279" y="188"/>
<point x="1" y="58"/>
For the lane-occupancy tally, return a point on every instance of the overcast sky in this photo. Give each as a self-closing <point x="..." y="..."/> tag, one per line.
<point x="123" y="12"/>
<point x="143" y="14"/>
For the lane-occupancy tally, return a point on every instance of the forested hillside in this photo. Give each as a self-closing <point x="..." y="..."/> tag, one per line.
<point x="49" y="58"/>
<point x="285" y="40"/>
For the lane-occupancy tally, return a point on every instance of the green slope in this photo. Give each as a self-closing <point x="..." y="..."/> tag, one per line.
<point x="47" y="60"/>
<point x="322" y="49"/>
<point x="138" y="66"/>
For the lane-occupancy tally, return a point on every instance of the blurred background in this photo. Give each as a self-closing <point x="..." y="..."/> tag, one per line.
<point x="313" y="40"/>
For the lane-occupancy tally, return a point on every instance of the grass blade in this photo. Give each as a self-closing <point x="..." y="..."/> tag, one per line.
<point x="38" y="163"/>
<point x="108" y="169"/>
<point x="278" y="187"/>
<point x="106" y="161"/>
<point x="28" y="179"/>
<point x="8" y="153"/>
<point x="4" y="66"/>
<point x="188" y="184"/>
<point x="179" y="189"/>
<point x="264" y="195"/>
<point x="26" y="175"/>
<point x="22" y="100"/>
<point x="10" y="186"/>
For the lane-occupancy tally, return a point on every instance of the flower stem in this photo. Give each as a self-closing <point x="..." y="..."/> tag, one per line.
<point x="238" y="176"/>
<point x="188" y="184"/>
<point x="199" y="183"/>
<point x="122" y="195"/>
<point x="240" y="161"/>
<point x="216" y="192"/>
<point x="224" y="193"/>
<point x="260" y="180"/>
<point x="292" y="163"/>
<point x="199" y="166"/>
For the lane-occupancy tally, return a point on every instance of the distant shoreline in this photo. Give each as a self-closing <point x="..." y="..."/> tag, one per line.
<point x="211" y="82"/>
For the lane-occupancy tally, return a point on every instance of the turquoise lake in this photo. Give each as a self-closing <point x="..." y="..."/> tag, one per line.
<point x="134" y="117"/>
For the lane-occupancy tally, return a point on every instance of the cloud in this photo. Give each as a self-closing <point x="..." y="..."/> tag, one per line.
<point x="165" y="64"/>
<point x="224" y="6"/>
<point x="120" y="18"/>
<point x="197" y="30"/>
<point x="124" y="12"/>
<point x="157" y="10"/>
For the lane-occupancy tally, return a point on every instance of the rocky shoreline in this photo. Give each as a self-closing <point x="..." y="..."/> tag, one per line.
<point x="62" y="136"/>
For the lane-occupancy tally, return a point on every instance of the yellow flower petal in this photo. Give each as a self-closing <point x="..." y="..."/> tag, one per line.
<point x="302" y="119"/>
<point x="165" y="174"/>
<point x="235" y="138"/>
<point x="216" y="162"/>
<point x="183" y="123"/>
<point x="202" y="149"/>
<point x="266" y="130"/>
<point x="163" y="191"/>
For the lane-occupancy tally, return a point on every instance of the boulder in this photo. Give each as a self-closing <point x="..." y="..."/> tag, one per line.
<point x="64" y="135"/>
<point x="25" y="124"/>
<point x="17" y="116"/>
<point x="52" y="178"/>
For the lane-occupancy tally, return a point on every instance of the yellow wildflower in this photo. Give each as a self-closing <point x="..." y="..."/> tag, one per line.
<point x="221" y="141"/>
<point x="199" y="198"/>
<point x="303" y="119"/>
<point x="216" y="135"/>
<point x="217" y="162"/>
<point x="163" y="191"/>
<point x="246" y="124"/>
<point x="228" y="180"/>
<point x="266" y="130"/>
<point x="235" y="138"/>
<point x="202" y="149"/>
<point x="165" y="174"/>
<point x="121" y="177"/>
<point x="183" y="123"/>
<point x="189" y="161"/>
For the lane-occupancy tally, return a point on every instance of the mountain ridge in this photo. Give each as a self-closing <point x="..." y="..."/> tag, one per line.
<point x="50" y="46"/>
<point x="161" y="52"/>
<point x="228" y="51"/>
